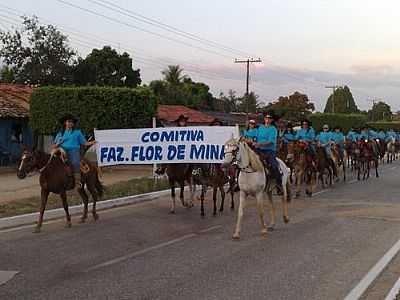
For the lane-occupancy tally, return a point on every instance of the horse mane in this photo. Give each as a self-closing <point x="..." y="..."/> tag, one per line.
<point x="254" y="160"/>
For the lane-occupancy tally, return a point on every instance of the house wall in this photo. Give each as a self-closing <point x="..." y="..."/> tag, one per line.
<point x="8" y="130"/>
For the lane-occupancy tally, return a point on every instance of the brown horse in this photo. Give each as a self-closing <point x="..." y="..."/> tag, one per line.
<point x="178" y="174"/>
<point x="55" y="177"/>
<point x="285" y="157"/>
<point x="213" y="175"/>
<point x="303" y="167"/>
<point x="324" y="167"/>
<point x="339" y="161"/>
<point x="367" y="156"/>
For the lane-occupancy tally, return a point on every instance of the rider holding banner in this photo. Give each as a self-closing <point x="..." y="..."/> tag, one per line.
<point x="70" y="140"/>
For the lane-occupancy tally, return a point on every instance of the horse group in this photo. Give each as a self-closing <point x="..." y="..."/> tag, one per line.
<point x="242" y="167"/>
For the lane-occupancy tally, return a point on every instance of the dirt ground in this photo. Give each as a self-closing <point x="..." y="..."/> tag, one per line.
<point x="12" y="188"/>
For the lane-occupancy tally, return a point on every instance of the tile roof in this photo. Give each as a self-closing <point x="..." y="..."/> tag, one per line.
<point x="14" y="100"/>
<point x="169" y="113"/>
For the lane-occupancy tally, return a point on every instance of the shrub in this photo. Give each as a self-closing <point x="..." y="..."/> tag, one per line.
<point x="385" y="125"/>
<point x="96" y="107"/>
<point x="346" y="121"/>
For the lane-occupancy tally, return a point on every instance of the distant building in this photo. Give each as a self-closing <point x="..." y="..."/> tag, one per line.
<point x="167" y="115"/>
<point x="14" y="130"/>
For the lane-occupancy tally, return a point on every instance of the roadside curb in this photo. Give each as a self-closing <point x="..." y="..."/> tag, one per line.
<point x="27" y="219"/>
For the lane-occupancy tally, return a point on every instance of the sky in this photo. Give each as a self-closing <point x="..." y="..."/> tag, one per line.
<point x="304" y="45"/>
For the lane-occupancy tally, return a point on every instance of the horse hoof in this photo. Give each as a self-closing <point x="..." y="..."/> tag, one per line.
<point x="189" y="205"/>
<point x="95" y="217"/>
<point x="297" y="195"/>
<point x="236" y="237"/>
<point x="264" y="232"/>
<point x="82" y="220"/>
<point x="286" y="219"/>
<point x="271" y="228"/>
<point x="171" y="212"/>
<point x="36" y="230"/>
<point x="68" y="225"/>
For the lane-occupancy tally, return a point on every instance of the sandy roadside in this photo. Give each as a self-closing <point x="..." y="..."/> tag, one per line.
<point x="12" y="188"/>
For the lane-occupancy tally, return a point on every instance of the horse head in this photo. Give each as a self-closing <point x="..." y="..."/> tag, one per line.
<point x="231" y="150"/>
<point x="28" y="163"/>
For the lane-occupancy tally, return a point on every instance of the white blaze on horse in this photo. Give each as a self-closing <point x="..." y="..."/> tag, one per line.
<point x="253" y="180"/>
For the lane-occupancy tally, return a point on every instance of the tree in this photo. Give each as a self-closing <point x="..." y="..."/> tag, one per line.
<point x="293" y="107"/>
<point x="180" y="89"/>
<point x="105" y="67"/>
<point x="37" y="54"/>
<point x="341" y="101"/>
<point x="380" y="111"/>
<point x="229" y="103"/>
<point x="7" y="75"/>
<point x="253" y="103"/>
<point x="173" y="75"/>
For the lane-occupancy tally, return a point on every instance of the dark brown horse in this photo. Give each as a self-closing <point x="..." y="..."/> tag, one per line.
<point x="367" y="156"/>
<point x="213" y="175"/>
<point x="55" y="177"/>
<point x="178" y="174"/>
<point x="324" y="167"/>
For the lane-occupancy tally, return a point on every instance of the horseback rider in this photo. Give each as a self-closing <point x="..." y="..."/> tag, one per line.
<point x="391" y="134"/>
<point x="70" y="139"/>
<point x="369" y="136"/>
<point x="182" y="121"/>
<point x="250" y="134"/>
<point x="325" y="140"/>
<point x="338" y="138"/>
<point x="289" y="135"/>
<point x="307" y="134"/>
<point x="267" y="135"/>
<point x="353" y="135"/>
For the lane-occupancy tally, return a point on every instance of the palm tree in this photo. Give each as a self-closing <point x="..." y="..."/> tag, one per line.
<point x="173" y="75"/>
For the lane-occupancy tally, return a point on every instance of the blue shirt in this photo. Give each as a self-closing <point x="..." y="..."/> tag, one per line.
<point x="288" y="137"/>
<point x="267" y="134"/>
<point x="338" y="138"/>
<point x="390" y="134"/>
<point x="70" y="140"/>
<point x="251" y="134"/>
<point x="304" y="135"/>
<point x="381" y="135"/>
<point x="373" y="134"/>
<point x="353" y="136"/>
<point x="324" y="137"/>
<point x="365" y="135"/>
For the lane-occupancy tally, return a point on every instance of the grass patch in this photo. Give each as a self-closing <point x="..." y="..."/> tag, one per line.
<point x="127" y="188"/>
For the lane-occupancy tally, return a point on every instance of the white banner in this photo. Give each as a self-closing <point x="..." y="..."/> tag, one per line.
<point x="162" y="145"/>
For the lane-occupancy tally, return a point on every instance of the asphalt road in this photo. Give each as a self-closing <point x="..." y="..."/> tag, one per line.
<point x="142" y="252"/>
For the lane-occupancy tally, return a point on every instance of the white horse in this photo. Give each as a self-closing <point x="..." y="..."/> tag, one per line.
<point x="253" y="181"/>
<point x="391" y="150"/>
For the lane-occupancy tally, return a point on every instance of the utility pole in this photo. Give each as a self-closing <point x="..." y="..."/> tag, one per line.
<point x="247" y="62"/>
<point x="333" y="87"/>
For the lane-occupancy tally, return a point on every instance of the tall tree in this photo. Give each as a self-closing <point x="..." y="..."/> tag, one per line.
<point x="251" y="101"/>
<point x="380" y="111"/>
<point x="173" y="75"/>
<point x="106" y="67"/>
<point x="37" y="54"/>
<point x="341" y="101"/>
<point x="292" y="107"/>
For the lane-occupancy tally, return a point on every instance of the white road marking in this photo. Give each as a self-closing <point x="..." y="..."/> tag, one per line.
<point x="320" y="192"/>
<point x="353" y="181"/>
<point x="141" y="252"/>
<point x="7" y="276"/>
<point x="376" y="270"/>
<point x="394" y="291"/>
<point x="146" y="250"/>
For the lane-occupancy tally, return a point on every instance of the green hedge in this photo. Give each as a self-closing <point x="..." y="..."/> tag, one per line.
<point x="346" y="121"/>
<point x="385" y="125"/>
<point x="96" y="107"/>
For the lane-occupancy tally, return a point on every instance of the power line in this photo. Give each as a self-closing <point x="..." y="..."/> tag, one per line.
<point x="141" y="18"/>
<point x="141" y="29"/>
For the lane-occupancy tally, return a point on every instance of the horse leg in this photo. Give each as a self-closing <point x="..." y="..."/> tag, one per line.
<point x="63" y="196"/>
<point x="222" y="192"/>
<point x="376" y="170"/>
<point x="242" y="199"/>
<point x="299" y="176"/>
<point x="215" y="190"/>
<point x="271" y="225"/>
<point x="85" y="200"/>
<point x="232" y="199"/>
<point x="172" y="185"/>
<point x="181" y="195"/>
<point x="260" y="208"/>
<point x="44" y="196"/>
<point x="93" y="192"/>
<point x="285" y="209"/>
<point x="192" y="188"/>
<point x="203" y="192"/>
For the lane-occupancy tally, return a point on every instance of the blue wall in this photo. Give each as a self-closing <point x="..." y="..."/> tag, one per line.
<point x="7" y="128"/>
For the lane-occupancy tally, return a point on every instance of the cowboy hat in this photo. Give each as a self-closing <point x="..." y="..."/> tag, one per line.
<point x="182" y="117"/>
<point x="67" y="117"/>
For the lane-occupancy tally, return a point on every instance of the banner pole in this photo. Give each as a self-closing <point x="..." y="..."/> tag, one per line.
<point x="237" y="130"/>
<point x="155" y="165"/>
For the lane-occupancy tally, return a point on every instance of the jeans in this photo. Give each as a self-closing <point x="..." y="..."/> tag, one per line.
<point x="270" y="157"/>
<point x="74" y="158"/>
